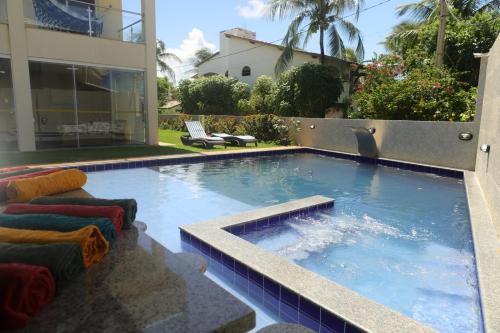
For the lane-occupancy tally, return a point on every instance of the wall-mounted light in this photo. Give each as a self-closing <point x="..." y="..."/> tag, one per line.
<point x="372" y="130"/>
<point x="485" y="148"/>
<point x="312" y="126"/>
<point x="466" y="136"/>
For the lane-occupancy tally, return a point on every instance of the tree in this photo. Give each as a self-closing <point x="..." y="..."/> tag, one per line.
<point x="162" y="56"/>
<point x="263" y="96"/>
<point x="308" y="90"/>
<point x="164" y="89"/>
<point x="426" y="12"/>
<point x="323" y="16"/>
<point x="214" y="95"/>
<point x="201" y="55"/>
<point x="464" y="38"/>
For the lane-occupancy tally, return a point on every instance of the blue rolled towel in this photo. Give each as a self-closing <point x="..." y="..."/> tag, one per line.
<point x="54" y="222"/>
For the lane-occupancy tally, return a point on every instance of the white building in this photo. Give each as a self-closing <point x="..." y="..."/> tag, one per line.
<point x="76" y="73"/>
<point x="244" y="57"/>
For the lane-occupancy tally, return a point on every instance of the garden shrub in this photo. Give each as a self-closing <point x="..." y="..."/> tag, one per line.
<point x="176" y="123"/>
<point x="263" y="99"/>
<point x="308" y="90"/>
<point x="214" y="95"/>
<point x="392" y="92"/>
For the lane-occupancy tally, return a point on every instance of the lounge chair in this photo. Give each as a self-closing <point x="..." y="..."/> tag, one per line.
<point x="240" y="140"/>
<point x="197" y="135"/>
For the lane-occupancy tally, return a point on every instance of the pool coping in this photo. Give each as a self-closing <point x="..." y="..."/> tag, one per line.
<point x="356" y="310"/>
<point x="487" y="253"/>
<point x="148" y="161"/>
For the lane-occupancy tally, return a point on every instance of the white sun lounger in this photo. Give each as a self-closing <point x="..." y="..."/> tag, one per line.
<point x="240" y="140"/>
<point x="197" y="135"/>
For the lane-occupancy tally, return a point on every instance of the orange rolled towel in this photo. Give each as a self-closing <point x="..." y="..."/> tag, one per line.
<point x="21" y="190"/>
<point x="92" y="243"/>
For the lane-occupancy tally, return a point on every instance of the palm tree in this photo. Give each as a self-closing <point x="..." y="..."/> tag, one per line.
<point x="201" y="55"/>
<point x="427" y="11"/>
<point x="323" y="16"/>
<point x="350" y="55"/>
<point x="162" y="56"/>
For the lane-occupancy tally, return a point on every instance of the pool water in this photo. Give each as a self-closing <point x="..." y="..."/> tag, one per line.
<point x="399" y="237"/>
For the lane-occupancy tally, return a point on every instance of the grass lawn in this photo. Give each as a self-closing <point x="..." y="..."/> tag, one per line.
<point x="93" y="154"/>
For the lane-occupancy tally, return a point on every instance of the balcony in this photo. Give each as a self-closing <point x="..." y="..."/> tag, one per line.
<point x="85" y="18"/>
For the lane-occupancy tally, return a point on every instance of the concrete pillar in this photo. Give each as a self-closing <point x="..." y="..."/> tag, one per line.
<point x="20" y="76"/>
<point x="149" y="26"/>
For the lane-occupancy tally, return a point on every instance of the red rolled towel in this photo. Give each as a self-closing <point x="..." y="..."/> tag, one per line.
<point x="25" y="290"/>
<point x="114" y="213"/>
<point x="5" y="181"/>
<point x="12" y="169"/>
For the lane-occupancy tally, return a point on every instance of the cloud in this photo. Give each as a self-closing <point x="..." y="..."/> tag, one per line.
<point x="195" y="41"/>
<point x="253" y="10"/>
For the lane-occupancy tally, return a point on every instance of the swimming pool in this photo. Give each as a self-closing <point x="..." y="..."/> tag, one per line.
<point x="401" y="238"/>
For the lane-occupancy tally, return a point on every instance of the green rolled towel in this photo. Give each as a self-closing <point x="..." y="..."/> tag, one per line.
<point x="19" y="172"/>
<point x="54" y="222"/>
<point x="64" y="260"/>
<point x="128" y="205"/>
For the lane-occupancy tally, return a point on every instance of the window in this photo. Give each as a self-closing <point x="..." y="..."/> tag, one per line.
<point x="246" y="71"/>
<point x="77" y="106"/>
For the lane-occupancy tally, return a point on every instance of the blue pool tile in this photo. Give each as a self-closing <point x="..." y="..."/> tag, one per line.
<point x="289" y="297"/>
<point x="289" y="313"/>
<point x="271" y="302"/>
<point x="331" y="321"/>
<point x="238" y="230"/>
<point x="241" y="269"/>
<point x="271" y="287"/>
<point x="241" y="282"/>
<point x="185" y="237"/>
<point x="216" y="254"/>
<point x="228" y="273"/>
<point x="228" y="261"/>
<point x="256" y="277"/>
<point x="309" y="308"/>
<point x="255" y="291"/>
<point x="205" y="248"/>
<point x="308" y="321"/>
<point x="250" y="227"/>
<point x="195" y="242"/>
<point x="274" y="220"/>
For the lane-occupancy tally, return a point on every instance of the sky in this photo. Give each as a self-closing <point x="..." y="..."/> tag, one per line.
<point x="188" y="25"/>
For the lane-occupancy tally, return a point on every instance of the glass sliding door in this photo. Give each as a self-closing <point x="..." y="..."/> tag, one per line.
<point x="94" y="102"/>
<point x="79" y="106"/>
<point x="129" y="125"/>
<point x="8" y="129"/>
<point x="53" y="97"/>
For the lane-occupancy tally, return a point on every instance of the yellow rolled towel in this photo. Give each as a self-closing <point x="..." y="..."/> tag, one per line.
<point x="92" y="243"/>
<point x="21" y="190"/>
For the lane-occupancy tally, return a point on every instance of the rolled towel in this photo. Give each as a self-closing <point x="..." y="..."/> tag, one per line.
<point x="22" y="172"/>
<point x="10" y="169"/>
<point x="92" y="243"/>
<point x="54" y="222"/>
<point x="25" y="290"/>
<point x="63" y="259"/>
<point x="21" y="190"/>
<point x="5" y="181"/>
<point x="113" y="213"/>
<point x="129" y="205"/>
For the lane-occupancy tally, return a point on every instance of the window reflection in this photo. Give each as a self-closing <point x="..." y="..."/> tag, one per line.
<point x="78" y="106"/>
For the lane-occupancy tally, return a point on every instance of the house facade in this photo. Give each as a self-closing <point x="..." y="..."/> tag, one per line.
<point x="244" y="57"/>
<point x="76" y="73"/>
